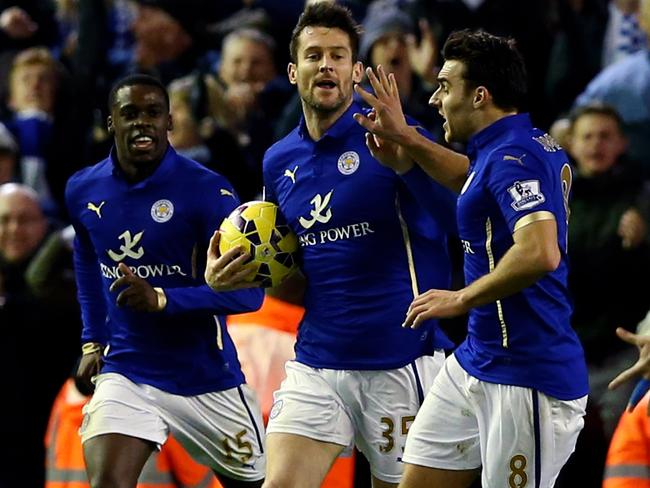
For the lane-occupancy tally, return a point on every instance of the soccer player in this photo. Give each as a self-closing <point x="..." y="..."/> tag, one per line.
<point x="368" y="248"/>
<point x="169" y="365"/>
<point x="512" y="396"/>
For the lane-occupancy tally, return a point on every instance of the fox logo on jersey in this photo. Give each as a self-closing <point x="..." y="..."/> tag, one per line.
<point x="162" y="210"/>
<point x="96" y="208"/>
<point x="128" y="247"/>
<point x="348" y="162"/>
<point x="318" y="214"/>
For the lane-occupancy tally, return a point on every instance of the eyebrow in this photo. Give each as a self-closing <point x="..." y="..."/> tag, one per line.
<point x="344" y="48"/>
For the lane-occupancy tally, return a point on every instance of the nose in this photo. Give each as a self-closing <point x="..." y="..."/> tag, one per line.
<point x="326" y="64"/>
<point x="433" y="101"/>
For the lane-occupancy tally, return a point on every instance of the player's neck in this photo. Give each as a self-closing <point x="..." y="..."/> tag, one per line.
<point x="487" y="117"/>
<point x="318" y="121"/>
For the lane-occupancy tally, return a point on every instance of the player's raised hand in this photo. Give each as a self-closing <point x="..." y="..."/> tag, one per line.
<point x="389" y="122"/>
<point x="434" y="304"/>
<point x="137" y="293"/>
<point x="642" y="366"/>
<point x="388" y="153"/>
<point x="230" y="271"/>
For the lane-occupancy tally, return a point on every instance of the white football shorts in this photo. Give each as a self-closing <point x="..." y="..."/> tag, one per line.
<point x="520" y="436"/>
<point x="372" y="409"/>
<point x="223" y="430"/>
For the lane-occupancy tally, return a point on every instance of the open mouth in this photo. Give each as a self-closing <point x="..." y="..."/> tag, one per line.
<point x="326" y="84"/>
<point x="141" y="143"/>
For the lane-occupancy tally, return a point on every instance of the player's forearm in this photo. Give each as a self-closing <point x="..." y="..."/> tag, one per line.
<point x="447" y="167"/>
<point x="199" y="298"/>
<point x="90" y="294"/>
<point x="519" y="268"/>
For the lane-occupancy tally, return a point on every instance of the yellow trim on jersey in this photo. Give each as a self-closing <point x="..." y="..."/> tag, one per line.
<point x="533" y="217"/>
<point x="407" y="245"/>
<point x="219" y="333"/>
<point x="490" y="255"/>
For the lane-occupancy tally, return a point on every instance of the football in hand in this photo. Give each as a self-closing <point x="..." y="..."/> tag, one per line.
<point x="261" y="230"/>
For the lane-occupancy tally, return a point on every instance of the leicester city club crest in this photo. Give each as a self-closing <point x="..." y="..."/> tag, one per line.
<point x="162" y="210"/>
<point x="348" y="162"/>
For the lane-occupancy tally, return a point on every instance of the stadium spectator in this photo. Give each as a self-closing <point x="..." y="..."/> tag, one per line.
<point x="43" y="331"/>
<point x="153" y="332"/>
<point x="246" y="98"/>
<point x="607" y="233"/>
<point x="33" y="81"/>
<point x="628" y="458"/>
<point x="389" y="40"/>
<point x="26" y="23"/>
<point x="512" y="220"/>
<point x="358" y="377"/>
<point x="625" y="85"/>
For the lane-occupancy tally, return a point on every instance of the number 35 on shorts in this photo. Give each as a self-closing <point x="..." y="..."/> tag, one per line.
<point x="388" y="432"/>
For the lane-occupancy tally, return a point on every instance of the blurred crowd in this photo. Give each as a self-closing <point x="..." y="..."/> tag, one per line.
<point x="224" y="63"/>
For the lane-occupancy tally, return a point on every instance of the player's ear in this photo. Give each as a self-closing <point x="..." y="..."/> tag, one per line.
<point x="481" y="95"/>
<point x="291" y="73"/>
<point x="109" y="125"/>
<point x="170" y="123"/>
<point x="357" y="72"/>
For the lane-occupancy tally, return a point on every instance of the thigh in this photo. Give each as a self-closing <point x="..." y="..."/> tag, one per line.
<point x="384" y="405"/>
<point x="119" y="406"/>
<point x="526" y="436"/>
<point x="423" y="477"/>
<point x="295" y="461"/>
<point x="223" y="430"/>
<point x="445" y="433"/>
<point x="115" y="459"/>
<point x="308" y="405"/>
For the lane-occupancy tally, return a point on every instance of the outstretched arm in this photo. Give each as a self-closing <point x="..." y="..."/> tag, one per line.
<point x="388" y="123"/>
<point x="642" y="366"/>
<point x="534" y="253"/>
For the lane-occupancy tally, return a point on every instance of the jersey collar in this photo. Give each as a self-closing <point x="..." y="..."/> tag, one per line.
<point x="485" y="136"/>
<point x="161" y="171"/>
<point x="342" y="125"/>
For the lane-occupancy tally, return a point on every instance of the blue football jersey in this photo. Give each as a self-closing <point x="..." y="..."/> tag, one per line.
<point x="367" y="247"/>
<point x="160" y="227"/>
<point x="518" y="175"/>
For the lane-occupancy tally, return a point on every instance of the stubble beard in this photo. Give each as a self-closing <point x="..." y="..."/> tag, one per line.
<point x="324" y="109"/>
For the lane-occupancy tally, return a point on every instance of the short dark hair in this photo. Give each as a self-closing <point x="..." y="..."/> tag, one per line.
<point x="596" y="108"/>
<point x="490" y="61"/>
<point x="325" y="14"/>
<point x="136" y="79"/>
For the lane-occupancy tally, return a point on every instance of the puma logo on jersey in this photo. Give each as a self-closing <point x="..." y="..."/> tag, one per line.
<point x="226" y="193"/>
<point x="96" y="208"/>
<point x="319" y="213"/>
<point x="128" y="248"/>
<point x="519" y="159"/>
<point x="291" y="174"/>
